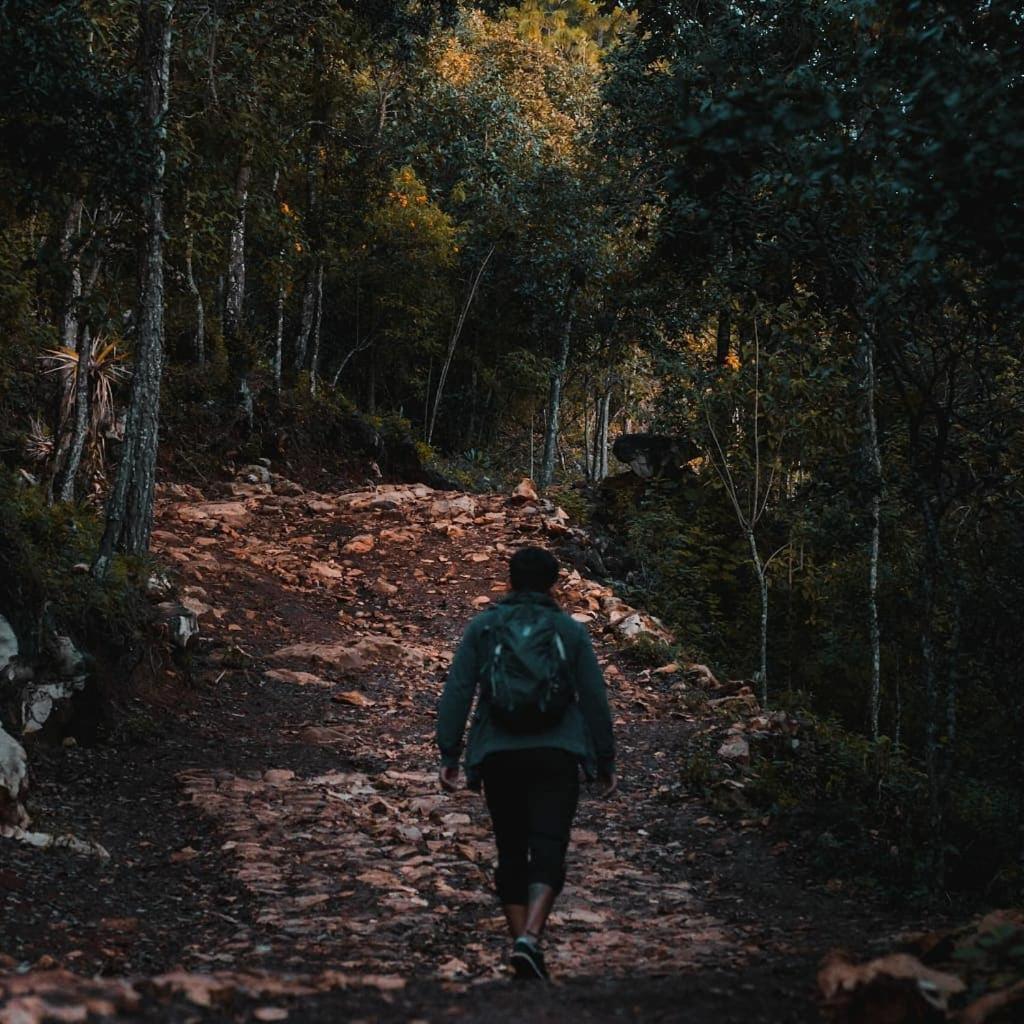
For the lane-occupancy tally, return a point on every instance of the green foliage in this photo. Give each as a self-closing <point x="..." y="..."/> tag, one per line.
<point x="40" y="547"/>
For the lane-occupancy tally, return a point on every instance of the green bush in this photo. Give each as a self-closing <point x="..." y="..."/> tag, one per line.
<point x="43" y="552"/>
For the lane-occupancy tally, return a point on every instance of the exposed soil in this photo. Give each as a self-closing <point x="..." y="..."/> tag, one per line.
<point x="279" y="843"/>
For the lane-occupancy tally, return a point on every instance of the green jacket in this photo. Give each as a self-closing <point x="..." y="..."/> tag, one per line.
<point x="584" y="730"/>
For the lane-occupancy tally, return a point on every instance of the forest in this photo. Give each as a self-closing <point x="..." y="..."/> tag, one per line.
<point x="737" y="287"/>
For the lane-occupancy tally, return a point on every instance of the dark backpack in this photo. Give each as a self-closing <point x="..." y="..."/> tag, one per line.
<point x="526" y="678"/>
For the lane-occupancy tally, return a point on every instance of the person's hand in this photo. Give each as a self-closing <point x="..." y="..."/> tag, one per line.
<point x="607" y="784"/>
<point x="449" y="776"/>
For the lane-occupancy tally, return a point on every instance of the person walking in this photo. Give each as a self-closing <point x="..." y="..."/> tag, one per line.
<point x="541" y="714"/>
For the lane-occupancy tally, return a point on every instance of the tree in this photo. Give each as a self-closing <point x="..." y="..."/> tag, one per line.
<point x="129" y="511"/>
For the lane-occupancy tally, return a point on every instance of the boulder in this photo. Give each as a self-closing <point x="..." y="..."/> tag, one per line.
<point x="735" y="748"/>
<point x="446" y="507"/>
<point x="182" y="622"/>
<point x="525" y="491"/>
<point x="8" y="644"/>
<point x="13" y="781"/>
<point x="38" y="700"/>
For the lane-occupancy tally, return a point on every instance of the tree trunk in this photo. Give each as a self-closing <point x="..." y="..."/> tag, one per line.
<point x="130" y="504"/>
<point x="604" y="414"/>
<point x="547" y="468"/>
<point x="197" y="297"/>
<point x="72" y="257"/>
<point x="69" y="334"/>
<point x="762" y="584"/>
<point x="454" y="340"/>
<point x="279" y="337"/>
<point x="234" y="301"/>
<point x="930" y="686"/>
<point x="589" y="449"/>
<point x="319" y="113"/>
<point x="875" y="461"/>
<point x="317" y="321"/>
<point x="306" y="317"/>
<point x="65" y="485"/>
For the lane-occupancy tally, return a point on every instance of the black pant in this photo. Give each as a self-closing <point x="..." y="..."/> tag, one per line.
<point x="532" y="797"/>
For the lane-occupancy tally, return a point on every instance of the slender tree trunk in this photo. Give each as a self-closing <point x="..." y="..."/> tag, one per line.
<point x="547" y="468"/>
<point x="130" y="503"/>
<point x="319" y="113"/>
<point x="197" y="298"/>
<point x="762" y="586"/>
<point x="589" y="449"/>
<point x="531" y="444"/>
<point x="454" y="340"/>
<point x="929" y="674"/>
<point x="234" y="301"/>
<point x="279" y="338"/>
<point x="69" y="335"/>
<point x="602" y="434"/>
<point x="306" y="316"/>
<point x="65" y="485"/>
<point x="314" y="361"/>
<point x="73" y="260"/>
<point x="875" y="461"/>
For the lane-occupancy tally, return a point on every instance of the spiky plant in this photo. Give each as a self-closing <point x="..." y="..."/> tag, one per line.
<point x="106" y="370"/>
<point x="39" y="442"/>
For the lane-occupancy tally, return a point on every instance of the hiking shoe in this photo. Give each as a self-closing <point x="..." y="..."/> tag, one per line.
<point x="528" y="961"/>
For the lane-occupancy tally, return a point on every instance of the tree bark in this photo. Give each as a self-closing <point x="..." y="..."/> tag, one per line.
<point x="306" y="317"/>
<point x="72" y="257"/>
<point x="234" y="300"/>
<point x="197" y="297"/>
<point x="279" y="337"/>
<point x="130" y="503"/>
<point x="604" y="415"/>
<point x="314" y="361"/>
<point x="454" y="340"/>
<point x="65" y="484"/>
<point x="319" y="113"/>
<point x="875" y="462"/>
<point x="762" y="585"/>
<point x="68" y="334"/>
<point x="547" y="468"/>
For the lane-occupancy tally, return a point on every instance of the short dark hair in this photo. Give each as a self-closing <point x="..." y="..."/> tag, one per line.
<point x="533" y="569"/>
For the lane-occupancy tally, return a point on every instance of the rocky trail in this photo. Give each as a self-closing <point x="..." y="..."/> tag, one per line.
<point x="278" y="845"/>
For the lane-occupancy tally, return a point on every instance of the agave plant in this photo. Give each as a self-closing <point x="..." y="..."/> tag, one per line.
<point x="39" y="442"/>
<point x="106" y="369"/>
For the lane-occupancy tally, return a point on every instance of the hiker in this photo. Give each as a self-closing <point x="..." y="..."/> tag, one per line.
<point x="541" y="714"/>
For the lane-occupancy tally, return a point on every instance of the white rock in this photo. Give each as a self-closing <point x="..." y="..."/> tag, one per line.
<point x="69" y="660"/>
<point x="182" y="622"/>
<point x="735" y="748"/>
<point x="13" y="781"/>
<point x="47" y="841"/>
<point x="37" y="701"/>
<point x="8" y="644"/>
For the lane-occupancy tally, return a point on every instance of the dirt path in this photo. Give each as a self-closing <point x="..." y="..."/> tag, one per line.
<point x="279" y="844"/>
